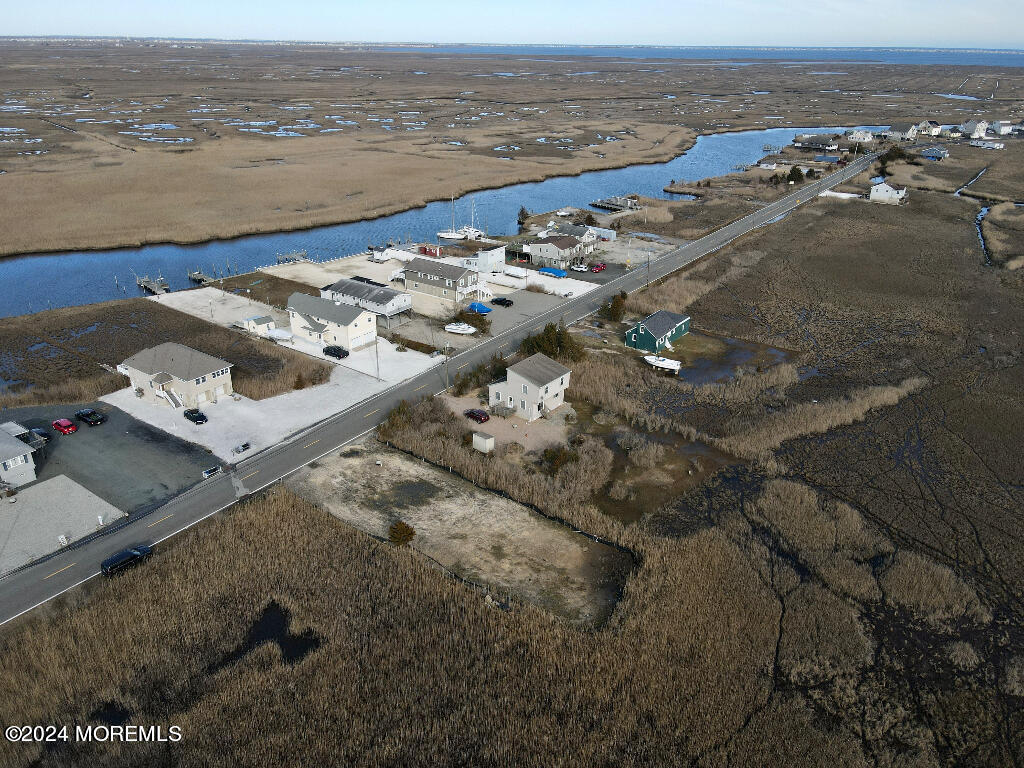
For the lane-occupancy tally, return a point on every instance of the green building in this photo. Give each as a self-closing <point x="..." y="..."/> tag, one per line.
<point x="657" y="331"/>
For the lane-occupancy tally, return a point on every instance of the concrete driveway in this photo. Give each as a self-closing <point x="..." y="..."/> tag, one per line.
<point x="124" y="461"/>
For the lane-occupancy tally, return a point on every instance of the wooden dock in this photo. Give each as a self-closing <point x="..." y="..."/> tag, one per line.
<point x="153" y="285"/>
<point x="199" y="277"/>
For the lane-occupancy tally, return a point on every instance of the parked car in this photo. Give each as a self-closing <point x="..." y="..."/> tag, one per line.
<point x="337" y="352"/>
<point x="64" y="426"/>
<point x="476" y="415"/>
<point x="599" y="267"/>
<point x="125" y="559"/>
<point x="90" y="417"/>
<point x="480" y="309"/>
<point x="579" y="268"/>
<point x="195" y="416"/>
<point x="501" y="301"/>
<point x="241" y="448"/>
<point x="464" y="329"/>
<point x="41" y="433"/>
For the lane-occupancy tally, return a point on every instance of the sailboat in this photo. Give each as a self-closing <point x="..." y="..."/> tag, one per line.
<point x="452" y="234"/>
<point x="471" y="232"/>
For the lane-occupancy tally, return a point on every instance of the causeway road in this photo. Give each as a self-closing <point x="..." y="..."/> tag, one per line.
<point x="24" y="589"/>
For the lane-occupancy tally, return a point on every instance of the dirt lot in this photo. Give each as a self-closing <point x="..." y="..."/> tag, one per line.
<point x="143" y="144"/>
<point x="266" y="288"/>
<point x="68" y="355"/>
<point x="481" y="537"/>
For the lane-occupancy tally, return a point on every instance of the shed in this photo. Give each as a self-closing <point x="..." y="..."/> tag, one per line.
<point x="483" y="442"/>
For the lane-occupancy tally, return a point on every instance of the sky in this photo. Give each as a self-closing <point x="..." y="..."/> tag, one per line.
<point x="919" y="23"/>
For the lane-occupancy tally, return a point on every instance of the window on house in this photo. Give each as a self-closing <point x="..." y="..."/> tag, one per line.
<point x="545" y="390"/>
<point x="444" y="291"/>
<point x="561" y="382"/>
<point x="522" y="405"/>
<point x="634" y="337"/>
<point x="524" y="389"/>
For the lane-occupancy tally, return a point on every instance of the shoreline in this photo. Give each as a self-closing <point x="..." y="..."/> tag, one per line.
<point x="683" y="146"/>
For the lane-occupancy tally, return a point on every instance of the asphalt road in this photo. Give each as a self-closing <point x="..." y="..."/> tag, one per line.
<point x="26" y="589"/>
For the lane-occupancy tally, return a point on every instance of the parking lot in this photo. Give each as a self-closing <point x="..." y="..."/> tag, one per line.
<point x="124" y="461"/>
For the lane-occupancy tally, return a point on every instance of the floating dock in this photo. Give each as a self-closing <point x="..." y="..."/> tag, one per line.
<point x="619" y="203"/>
<point x="198" y="277"/>
<point x="153" y="285"/>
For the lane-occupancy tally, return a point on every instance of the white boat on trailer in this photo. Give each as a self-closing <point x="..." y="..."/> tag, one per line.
<point x="663" y="363"/>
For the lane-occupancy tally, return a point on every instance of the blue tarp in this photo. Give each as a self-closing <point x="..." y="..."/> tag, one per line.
<point x="478" y="308"/>
<point x="553" y="272"/>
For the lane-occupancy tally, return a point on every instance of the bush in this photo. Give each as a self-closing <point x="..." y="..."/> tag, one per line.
<point x="400" y="534"/>
<point x="492" y="370"/>
<point x="795" y="175"/>
<point x="556" y="458"/>
<point x="553" y="341"/>
<point x="481" y="322"/>
<point x="616" y="308"/>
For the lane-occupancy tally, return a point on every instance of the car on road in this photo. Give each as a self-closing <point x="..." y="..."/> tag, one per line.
<point x="476" y="415"/>
<point x="501" y="301"/>
<point x="579" y="268"/>
<point x="41" y="433"/>
<point x="125" y="559"/>
<point x="464" y="329"/>
<point x="91" y="417"/>
<point x="195" y="416"/>
<point x="337" y="352"/>
<point x="64" y="426"/>
<point x="599" y="267"/>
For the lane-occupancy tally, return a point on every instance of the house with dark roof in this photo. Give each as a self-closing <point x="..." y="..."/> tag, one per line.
<point x="532" y="387"/>
<point x="430" y="281"/>
<point x="386" y="303"/>
<point x="656" y="332"/>
<point x="820" y="142"/>
<point x="179" y="376"/>
<point x="558" y="251"/>
<point x="331" y="323"/>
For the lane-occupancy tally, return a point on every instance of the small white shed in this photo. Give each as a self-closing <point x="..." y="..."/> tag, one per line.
<point x="483" y="442"/>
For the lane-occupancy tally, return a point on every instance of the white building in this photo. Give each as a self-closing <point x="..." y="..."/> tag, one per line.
<point x="383" y="301"/>
<point x="901" y="133"/>
<point x="860" y="136"/>
<point x="974" y="129"/>
<point x="261" y="325"/>
<point x="531" y="387"/>
<point x="559" y="251"/>
<point x="928" y="128"/>
<point x="331" y="323"/>
<point x="768" y="166"/>
<point x="1002" y="127"/>
<point x="16" y="464"/>
<point x="489" y="261"/>
<point x="883" y="193"/>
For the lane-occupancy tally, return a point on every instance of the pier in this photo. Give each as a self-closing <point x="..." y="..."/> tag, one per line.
<point x="198" y="277"/>
<point x="153" y="285"/>
<point x="618" y="203"/>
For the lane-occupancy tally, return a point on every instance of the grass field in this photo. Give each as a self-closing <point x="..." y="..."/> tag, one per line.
<point x="67" y="355"/>
<point x="266" y="289"/>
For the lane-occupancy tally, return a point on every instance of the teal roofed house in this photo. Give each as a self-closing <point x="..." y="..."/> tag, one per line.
<point x="657" y="331"/>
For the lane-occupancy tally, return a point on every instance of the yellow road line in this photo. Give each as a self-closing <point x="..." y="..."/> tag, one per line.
<point x="160" y="520"/>
<point x="421" y="386"/>
<point x="461" y="366"/>
<point x="56" y="572"/>
<point x="309" y="444"/>
<point x="368" y="415"/>
<point x="250" y="475"/>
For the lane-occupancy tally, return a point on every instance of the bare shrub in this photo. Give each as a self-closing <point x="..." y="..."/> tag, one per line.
<point x="618" y="491"/>
<point x="400" y="533"/>
<point x="962" y="655"/>
<point x="930" y="591"/>
<point x="642" y="451"/>
<point x="1013" y="676"/>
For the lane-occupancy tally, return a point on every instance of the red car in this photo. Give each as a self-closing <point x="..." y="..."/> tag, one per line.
<point x="477" y="415"/>
<point x="64" y="426"/>
<point x="599" y="267"/>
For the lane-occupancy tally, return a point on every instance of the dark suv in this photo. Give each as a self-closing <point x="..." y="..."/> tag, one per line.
<point x="90" y="417"/>
<point x="126" y="559"/>
<point x="477" y="415"/>
<point x="501" y="301"/>
<point x="195" y="416"/>
<point x="337" y="352"/>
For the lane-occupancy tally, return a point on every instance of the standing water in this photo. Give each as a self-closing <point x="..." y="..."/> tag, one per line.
<point x="33" y="283"/>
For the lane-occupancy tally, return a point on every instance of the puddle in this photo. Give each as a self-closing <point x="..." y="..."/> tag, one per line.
<point x="111" y="713"/>
<point x="273" y="627"/>
<point x="958" y="96"/>
<point x="404" y="495"/>
<point x="722" y="367"/>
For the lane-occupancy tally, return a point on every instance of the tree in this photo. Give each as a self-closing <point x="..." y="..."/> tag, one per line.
<point x="523" y="215"/>
<point x="400" y="534"/>
<point x="616" y="308"/>
<point x="590" y="221"/>
<point x="795" y="175"/>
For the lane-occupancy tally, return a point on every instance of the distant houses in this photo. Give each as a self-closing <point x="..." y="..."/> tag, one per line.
<point x="531" y="388"/>
<point x="905" y="132"/>
<point x="657" y="331"/>
<point x="935" y="153"/>
<point x="883" y="193"/>
<point x="974" y="129"/>
<point x="817" y="142"/>
<point x="860" y="136"/>
<point x="331" y="323"/>
<point x="179" y="376"/>
<point x="928" y="128"/>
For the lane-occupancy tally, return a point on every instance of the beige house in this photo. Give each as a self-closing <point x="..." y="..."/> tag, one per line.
<point x="450" y="283"/>
<point x="176" y="375"/>
<point x="331" y="323"/>
<point x="16" y="464"/>
<point x="531" y="387"/>
<point x="558" y="251"/>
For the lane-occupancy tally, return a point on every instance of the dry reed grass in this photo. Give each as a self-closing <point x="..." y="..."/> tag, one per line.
<point x="930" y="591"/>
<point x="678" y="291"/>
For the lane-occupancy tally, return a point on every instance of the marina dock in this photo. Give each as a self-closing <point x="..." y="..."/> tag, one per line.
<point x="618" y="203"/>
<point x="153" y="285"/>
<point x="199" y="277"/>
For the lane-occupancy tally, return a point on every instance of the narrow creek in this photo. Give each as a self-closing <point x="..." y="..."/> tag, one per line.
<point x="979" y="218"/>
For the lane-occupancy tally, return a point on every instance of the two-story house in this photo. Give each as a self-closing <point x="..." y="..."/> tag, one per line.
<point x="558" y="251"/>
<point x="430" y="281"/>
<point x="16" y="464"/>
<point x="386" y="303"/>
<point x="531" y="387"/>
<point x="176" y="375"/>
<point x="331" y="323"/>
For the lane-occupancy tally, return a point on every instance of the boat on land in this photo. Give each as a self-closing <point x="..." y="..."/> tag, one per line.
<point x="452" y="233"/>
<point x="464" y="329"/>
<point x="663" y="363"/>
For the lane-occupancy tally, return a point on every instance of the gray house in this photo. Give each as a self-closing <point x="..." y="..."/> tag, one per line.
<point x="531" y="387"/>
<point x="16" y="464"/>
<point x="385" y="302"/>
<point x="331" y="323"/>
<point x="449" y="283"/>
<point x="176" y="375"/>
